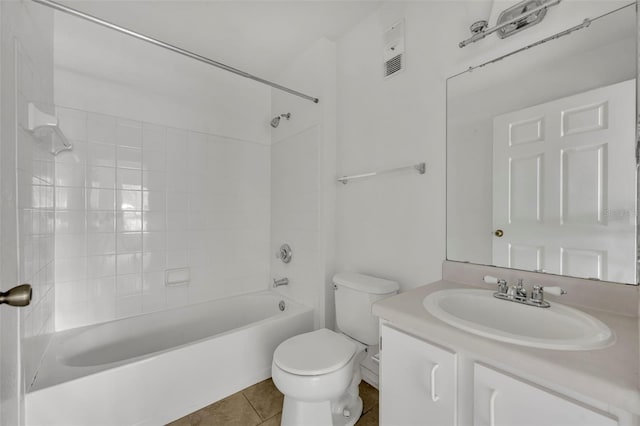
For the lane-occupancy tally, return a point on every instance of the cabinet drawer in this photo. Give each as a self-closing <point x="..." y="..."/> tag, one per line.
<point x="417" y="381"/>
<point x="503" y="400"/>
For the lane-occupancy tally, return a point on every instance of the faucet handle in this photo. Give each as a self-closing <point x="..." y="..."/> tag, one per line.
<point x="556" y="291"/>
<point x="490" y="279"/>
<point x="284" y="253"/>
<point x="537" y="294"/>
<point x="502" y="284"/>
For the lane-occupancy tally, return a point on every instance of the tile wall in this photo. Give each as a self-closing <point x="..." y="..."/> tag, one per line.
<point x="303" y="185"/>
<point x="34" y="173"/>
<point x="135" y="200"/>
<point x="295" y="216"/>
<point x="35" y="243"/>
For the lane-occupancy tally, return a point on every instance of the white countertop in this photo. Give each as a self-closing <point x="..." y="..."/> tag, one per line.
<point x="609" y="375"/>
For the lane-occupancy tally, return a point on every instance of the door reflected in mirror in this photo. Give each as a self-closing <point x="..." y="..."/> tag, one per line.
<point x="541" y="156"/>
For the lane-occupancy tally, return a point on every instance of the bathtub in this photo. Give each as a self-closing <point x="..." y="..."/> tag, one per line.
<point x="155" y="368"/>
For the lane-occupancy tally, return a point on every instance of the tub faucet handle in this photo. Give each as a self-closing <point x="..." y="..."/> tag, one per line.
<point x="284" y="253"/>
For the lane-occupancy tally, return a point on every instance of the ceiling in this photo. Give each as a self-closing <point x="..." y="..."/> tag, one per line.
<point x="256" y="36"/>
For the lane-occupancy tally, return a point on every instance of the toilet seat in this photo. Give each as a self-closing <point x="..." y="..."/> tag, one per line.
<point x="310" y="354"/>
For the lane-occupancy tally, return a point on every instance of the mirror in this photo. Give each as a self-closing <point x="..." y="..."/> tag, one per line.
<point x="541" y="156"/>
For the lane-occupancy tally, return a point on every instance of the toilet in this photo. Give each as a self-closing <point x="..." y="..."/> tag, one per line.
<point x="319" y="372"/>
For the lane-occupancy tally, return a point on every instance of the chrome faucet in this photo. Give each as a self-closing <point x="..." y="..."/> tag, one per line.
<point x="281" y="281"/>
<point x="517" y="293"/>
<point x="502" y="284"/>
<point x="537" y="295"/>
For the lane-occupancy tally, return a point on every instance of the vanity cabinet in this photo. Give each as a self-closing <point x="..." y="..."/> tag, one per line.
<point x="418" y="381"/>
<point x="502" y="400"/>
<point x="424" y="384"/>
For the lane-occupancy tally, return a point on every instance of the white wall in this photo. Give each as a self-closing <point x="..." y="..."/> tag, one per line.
<point x="170" y="170"/>
<point x="393" y="226"/>
<point x="104" y="71"/>
<point x="303" y="180"/>
<point x="26" y="215"/>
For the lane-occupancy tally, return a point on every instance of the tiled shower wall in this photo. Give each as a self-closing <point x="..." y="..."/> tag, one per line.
<point x="295" y="216"/>
<point x="35" y="173"/>
<point x="135" y="200"/>
<point x="303" y="184"/>
<point x="30" y="32"/>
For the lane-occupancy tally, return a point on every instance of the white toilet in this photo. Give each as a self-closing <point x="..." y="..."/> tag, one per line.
<point x="319" y="372"/>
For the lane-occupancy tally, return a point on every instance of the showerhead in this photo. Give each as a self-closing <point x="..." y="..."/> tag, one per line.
<point x="276" y="120"/>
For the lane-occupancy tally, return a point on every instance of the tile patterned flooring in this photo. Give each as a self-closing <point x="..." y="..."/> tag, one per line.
<point x="261" y="405"/>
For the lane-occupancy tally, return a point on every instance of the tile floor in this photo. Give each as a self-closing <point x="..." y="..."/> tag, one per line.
<point x="261" y="405"/>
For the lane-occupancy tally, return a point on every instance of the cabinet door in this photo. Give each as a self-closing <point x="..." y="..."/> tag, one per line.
<point x="502" y="400"/>
<point x="417" y="382"/>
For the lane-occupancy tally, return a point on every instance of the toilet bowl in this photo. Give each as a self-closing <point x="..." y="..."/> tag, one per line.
<point x="318" y="372"/>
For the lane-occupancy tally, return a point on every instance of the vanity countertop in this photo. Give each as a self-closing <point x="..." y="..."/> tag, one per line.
<point x="609" y="375"/>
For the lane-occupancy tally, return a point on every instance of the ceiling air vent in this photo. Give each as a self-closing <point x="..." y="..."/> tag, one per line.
<point x="394" y="59"/>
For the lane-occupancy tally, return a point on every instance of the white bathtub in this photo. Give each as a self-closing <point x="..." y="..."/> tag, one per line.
<point x="152" y="369"/>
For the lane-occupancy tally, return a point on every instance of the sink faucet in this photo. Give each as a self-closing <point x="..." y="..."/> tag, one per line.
<point x="517" y="293"/>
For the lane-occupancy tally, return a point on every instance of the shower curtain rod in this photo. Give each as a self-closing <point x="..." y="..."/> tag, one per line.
<point x="95" y="20"/>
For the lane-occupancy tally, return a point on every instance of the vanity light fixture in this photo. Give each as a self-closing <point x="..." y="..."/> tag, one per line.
<point x="512" y="20"/>
<point x="478" y="11"/>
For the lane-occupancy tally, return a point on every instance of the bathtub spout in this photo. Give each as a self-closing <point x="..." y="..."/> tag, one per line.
<point x="281" y="281"/>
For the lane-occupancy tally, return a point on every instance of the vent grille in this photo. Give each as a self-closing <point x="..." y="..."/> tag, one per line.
<point x="393" y="65"/>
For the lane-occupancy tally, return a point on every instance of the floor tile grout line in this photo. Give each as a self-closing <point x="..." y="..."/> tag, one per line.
<point x="272" y="417"/>
<point x="365" y="413"/>
<point x="252" y="407"/>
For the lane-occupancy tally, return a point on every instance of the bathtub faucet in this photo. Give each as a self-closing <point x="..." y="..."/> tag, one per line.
<point x="281" y="281"/>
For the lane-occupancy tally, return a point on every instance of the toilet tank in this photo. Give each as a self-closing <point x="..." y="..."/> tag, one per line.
<point x="354" y="295"/>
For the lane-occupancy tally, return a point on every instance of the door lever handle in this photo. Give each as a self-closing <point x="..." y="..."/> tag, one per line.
<point x="17" y="296"/>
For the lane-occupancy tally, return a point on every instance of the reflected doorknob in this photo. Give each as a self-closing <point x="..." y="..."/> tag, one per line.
<point x="498" y="233"/>
<point x="17" y="296"/>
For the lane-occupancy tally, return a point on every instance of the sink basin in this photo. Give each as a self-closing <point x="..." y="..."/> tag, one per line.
<point x="557" y="327"/>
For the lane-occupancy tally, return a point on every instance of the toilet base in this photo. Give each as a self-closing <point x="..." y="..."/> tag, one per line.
<point x="296" y="413"/>
<point x="354" y="415"/>
<point x="345" y="411"/>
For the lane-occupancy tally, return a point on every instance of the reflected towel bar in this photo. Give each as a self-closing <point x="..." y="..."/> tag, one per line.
<point x="420" y="167"/>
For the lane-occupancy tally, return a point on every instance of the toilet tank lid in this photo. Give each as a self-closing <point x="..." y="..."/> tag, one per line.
<point x="365" y="283"/>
